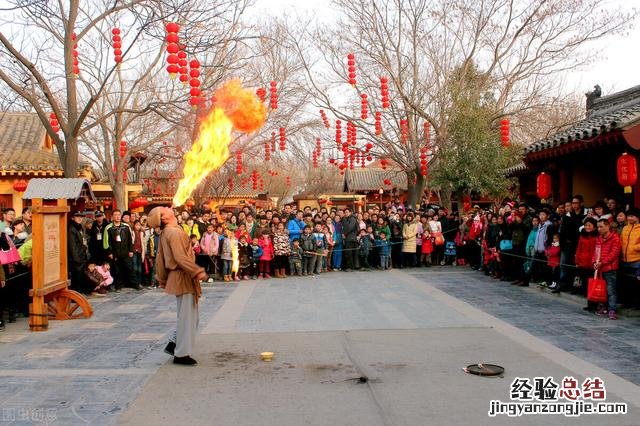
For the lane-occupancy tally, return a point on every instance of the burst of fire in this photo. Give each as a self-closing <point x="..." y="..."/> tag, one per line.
<point x="235" y="258"/>
<point x="236" y="108"/>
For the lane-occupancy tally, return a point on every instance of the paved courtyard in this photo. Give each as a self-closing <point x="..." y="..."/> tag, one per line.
<point x="408" y="332"/>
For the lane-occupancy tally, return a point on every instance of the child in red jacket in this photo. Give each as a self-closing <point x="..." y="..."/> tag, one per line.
<point x="267" y="254"/>
<point x="553" y="262"/>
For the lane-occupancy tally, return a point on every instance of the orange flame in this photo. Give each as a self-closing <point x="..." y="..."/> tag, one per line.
<point x="236" y="108"/>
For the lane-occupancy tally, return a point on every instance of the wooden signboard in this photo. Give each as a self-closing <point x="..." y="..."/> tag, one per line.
<point x="51" y="297"/>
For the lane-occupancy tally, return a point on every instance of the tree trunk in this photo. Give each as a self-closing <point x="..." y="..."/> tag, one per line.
<point x="119" y="194"/>
<point x="415" y="190"/>
<point x="70" y="164"/>
<point x="445" y="198"/>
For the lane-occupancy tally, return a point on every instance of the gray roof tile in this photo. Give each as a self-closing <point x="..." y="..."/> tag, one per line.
<point x="371" y="179"/>
<point x="55" y="188"/>
<point x="21" y="137"/>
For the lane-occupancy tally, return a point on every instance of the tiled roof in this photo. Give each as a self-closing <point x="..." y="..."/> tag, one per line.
<point x="514" y="170"/>
<point x="368" y="179"/>
<point x="21" y="137"/>
<point x="55" y="188"/>
<point x="610" y="113"/>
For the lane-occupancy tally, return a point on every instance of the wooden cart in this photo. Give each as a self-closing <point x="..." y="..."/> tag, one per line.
<point x="51" y="296"/>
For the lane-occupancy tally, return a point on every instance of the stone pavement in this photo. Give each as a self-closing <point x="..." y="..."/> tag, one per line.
<point x="557" y="319"/>
<point x="407" y="337"/>
<point x="409" y="332"/>
<point x="87" y="371"/>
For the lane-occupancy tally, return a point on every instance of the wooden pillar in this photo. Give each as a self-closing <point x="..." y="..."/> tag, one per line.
<point x="38" y="315"/>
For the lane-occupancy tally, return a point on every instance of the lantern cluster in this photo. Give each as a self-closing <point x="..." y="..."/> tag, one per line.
<point x="20" y="185"/>
<point x="627" y="172"/>
<point x="423" y="161"/>
<point x="261" y="92"/>
<point x="378" y="117"/>
<point x="238" y="162"/>
<point x="194" y="82"/>
<point x="182" y="67"/>
<point x="543" y="186"/>
<point x="117" y="45"/>
<point x="351" y="133"/>
<point x="364" y="107"/>
<point x="504" y="131"/>
<point x="76" y="61"/>
<point x="325" y="120"/>
<point x="384" y="92"/>
<point x="267" y="150"/>
<point x="384" y="163"/>
<point x="255" y="176"/>
<point x="172" y="49"/>
<point x="274" y="95"/>
<point x="272" y="173"/>
<point x="273" y="141"/>
<point x="123" y="149"/>
<point x="351" y="68"/>
<point x="404" y="131"/>
<point x="53" y="121"/>
<point x="352" y="158"/>
<point x="338" y="134"/>
<point x="261" y="184"/>
<point x="282" y="133"/>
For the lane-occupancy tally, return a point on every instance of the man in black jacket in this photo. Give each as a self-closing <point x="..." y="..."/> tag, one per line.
<point x="118" y="244"/>
<point x="350" y="237"/>
<point x="569" y="235"/>
<point x="96" y="246"/>
<point x="78" y="252"/>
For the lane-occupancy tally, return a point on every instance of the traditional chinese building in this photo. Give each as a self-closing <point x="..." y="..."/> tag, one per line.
<point x="582" y="159"/>
<point x="379" y="185"/>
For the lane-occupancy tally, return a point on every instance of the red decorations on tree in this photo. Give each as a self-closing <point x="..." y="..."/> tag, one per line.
<point x="274" y="95"/>
<point x="238" y="162"/>
<point x="283" y="138"/>
<point x="504" y="132"/>
<point x="53" y="121"/>
<point x="384" y="163"/>
<point x="368" y="146"/>
<point x="318" y="146"/>
<point x="378" y="123"/>
<point x="172" y="49"/>
<point x="123" y="149"/>
<point x="387" y="182"/>
<point x="338" y="133"/>
<point x="627" y="171"/>
<point x="254" y="180"/>
<point x="332" y="161"/>
<point x="273" y="141"/>
<point x="384" y="92"/>
<point x="315" y="159"/>
<point x="325" y="120"/>
<point x="194" y="73"/>
<point x="261" y="92"/>
<point x="117" y="45"/>
<point x="423" y="161"/>
<point x="543" y="186"/>
<point x="351" y="133"/>
<point x="351" y="68"/>
<point x="20" y="185"/>
<point x="182" y="66"/>
<point x="364" y="108"/>
<point x="267" y="150"/>
<point x="76" y="62"/>
<point x="427" y="134"/>
<point x="404" y="131"/>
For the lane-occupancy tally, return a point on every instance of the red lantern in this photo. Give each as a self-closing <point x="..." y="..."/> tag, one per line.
<point x="384" y="92"/>
<point x="627" y="171"/>
<point x="387" y="182"/>
<point x="378" y="123"/>
<point x="172" y="27"/>
<point x="267" y="151"/>
<point x="504" y="132"/>
<point x="283" y="138"/>
<point x="20" y="185"/>
<point x="543" y="186"/>
<point x="325" y="120"/>
<point x="53" y="121"/>
<point x="274" y="95"/>
<point x="364" y="108"/>
<point x="338" y="133"/>
<point x="117" y="52"/>
<point x="404" y="131"/>
<point x="261" y="93"/>
<point x="351" y="68"/>
<point x="239" y="162"/>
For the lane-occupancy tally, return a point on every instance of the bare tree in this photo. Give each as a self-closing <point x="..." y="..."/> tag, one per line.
<point x="519" y="47"/>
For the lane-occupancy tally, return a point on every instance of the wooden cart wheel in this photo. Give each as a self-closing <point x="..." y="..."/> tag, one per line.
<point x="68" y="304"/>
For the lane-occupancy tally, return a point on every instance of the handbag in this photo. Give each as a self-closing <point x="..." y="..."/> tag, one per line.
<point x="439" y="238"/>
<point x="597" y="289"/>
<point x="10" y="256"/>
<point x="506" y="245"/>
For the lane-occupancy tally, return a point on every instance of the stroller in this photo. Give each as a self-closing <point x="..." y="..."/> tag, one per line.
<point x="450" y="253"/>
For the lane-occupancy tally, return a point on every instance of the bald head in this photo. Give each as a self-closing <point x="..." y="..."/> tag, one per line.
<point x="157" y="214"/>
